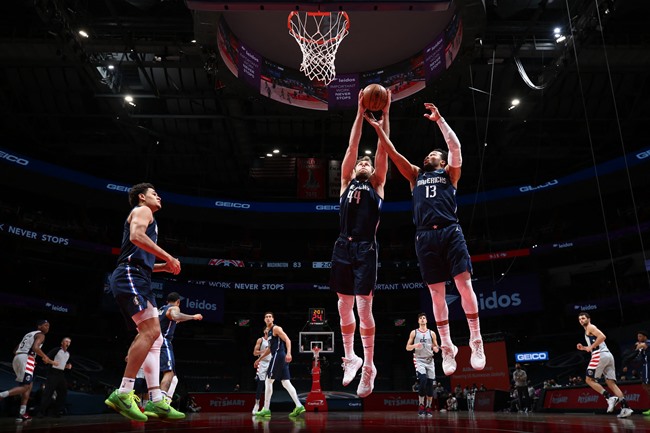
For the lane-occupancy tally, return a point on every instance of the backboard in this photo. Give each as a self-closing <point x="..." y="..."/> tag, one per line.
<point x="323" y="340"/>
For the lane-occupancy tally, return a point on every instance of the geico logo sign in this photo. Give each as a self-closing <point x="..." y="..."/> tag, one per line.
<point x="539" y="356"/>
<point x="114" y="187"/>
<point x="232" y="205"/>
<point x="328" y="207"/>
<point x="13" y="158"/>
<point x="494" y="301"/>
<point x="643" y="155"/>
<point x="202" y="304"/>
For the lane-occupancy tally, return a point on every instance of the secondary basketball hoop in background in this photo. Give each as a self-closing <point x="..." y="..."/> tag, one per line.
<point x="318" y="34"/>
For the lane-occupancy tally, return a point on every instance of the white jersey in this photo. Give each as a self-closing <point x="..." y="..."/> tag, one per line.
<point x="264" y="362"/>
<point x="25" y="346"/>
<point x="426" y="340"/>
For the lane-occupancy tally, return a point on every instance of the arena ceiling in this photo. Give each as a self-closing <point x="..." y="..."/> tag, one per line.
<point x="196" y="129"/>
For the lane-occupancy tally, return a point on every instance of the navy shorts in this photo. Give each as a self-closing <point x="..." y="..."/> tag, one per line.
<point x="131" y="287"/>
<point x="140" y="386"/>
<point x="167" y="360"/>
<point x="278" y="368"/>
<point x="354" y="267"/>
<point x="442" y="253"/>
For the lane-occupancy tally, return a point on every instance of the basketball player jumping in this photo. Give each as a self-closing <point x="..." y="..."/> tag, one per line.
<point x="354" y="259"/>
<point x="130" y="283"/>
<point x="439" y="241"/>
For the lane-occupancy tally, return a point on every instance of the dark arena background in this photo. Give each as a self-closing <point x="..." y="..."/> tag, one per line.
<point x="205" y="100"/>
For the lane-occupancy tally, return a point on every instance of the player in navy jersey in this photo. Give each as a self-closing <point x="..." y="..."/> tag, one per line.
<point x="601" y="364"/>
<point x="130" y="283"/>
<point x="641" y="347"/>
<point x="354" y="259"/>
<point x="169" y="315"/>
<point x="439" y="241"/>
<point x="280" y="350"/>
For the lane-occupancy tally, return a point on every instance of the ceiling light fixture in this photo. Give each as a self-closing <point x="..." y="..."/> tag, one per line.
<point x="276" y="151"/>
<point x="128" y="98"/>
<point x="83" y="33"/>
<point x="368" y="152"/>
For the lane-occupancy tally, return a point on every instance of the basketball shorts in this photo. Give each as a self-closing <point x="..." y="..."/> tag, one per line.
<point x="131" y="287"/>
<point x="442" y="253"/>
<point x="605" y="367"/>
<point x="140" y="386"/>
<point x="262" y="369"/>
<point x="278" y="367"/>
<point x="644" y="373"/>
<point x="354" y="267"/>
<point x="425" y="366"/>
<point x="23" y="365"/>
<point x="167" y="359"/>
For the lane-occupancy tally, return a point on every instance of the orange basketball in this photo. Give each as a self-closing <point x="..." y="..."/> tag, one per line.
<point x="375" y="97"/>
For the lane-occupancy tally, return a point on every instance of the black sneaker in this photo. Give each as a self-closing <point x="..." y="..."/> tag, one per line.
<point x="23" y="417"/>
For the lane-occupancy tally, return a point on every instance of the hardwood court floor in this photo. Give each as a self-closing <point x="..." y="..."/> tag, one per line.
<point x="343" y="422"/>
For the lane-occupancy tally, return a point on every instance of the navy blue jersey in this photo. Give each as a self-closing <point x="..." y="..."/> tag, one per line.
<point x="359" y="212"/>
<point x="132" y="254"/>
<point x="167" y="326"/>
<point x="434" y="200"/>
<point x="276" y="344"/>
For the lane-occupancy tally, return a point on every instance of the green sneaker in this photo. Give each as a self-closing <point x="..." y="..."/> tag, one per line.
<point x="126" y="405"/>
<point x="297" y="411"/>
<point x="161" y="409"/>
<point x="647" y="413"/>
<point x="264" y="413"/>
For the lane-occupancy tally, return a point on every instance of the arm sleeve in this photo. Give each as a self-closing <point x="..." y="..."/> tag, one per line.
<point x="455" y="158"/>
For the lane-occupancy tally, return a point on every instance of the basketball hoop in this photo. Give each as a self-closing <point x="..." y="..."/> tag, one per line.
<point x="318" y="34"/>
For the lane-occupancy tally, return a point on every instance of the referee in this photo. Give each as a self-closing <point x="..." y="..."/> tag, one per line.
<point x="56" y="380"/>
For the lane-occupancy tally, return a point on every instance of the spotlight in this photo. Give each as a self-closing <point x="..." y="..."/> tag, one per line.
<point x="83" y="34"/>
<point x="276" y="151"/>
<point x="128" y="98"/>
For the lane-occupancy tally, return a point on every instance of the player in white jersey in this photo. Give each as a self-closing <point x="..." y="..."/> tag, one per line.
<point x="24" y="363"/>
<point x="601" y="365"/>
<point x="260" y="375"/>
<point x="424" y="343"/>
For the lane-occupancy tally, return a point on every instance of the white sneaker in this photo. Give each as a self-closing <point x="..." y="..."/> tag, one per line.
<point x="350" y="369"/>
<point x="625" y="412"/>
<point x="611" y="404"/>
<point x="367" y="383"/>
<point x="448" y="361"/>
<point x="256" y="409"/>
<point x="478" y="354"/>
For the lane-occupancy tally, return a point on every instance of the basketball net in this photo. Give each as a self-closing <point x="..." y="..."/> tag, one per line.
<point x="318" y="34"/>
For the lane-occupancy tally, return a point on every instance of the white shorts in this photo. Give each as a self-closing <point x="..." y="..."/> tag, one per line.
<point x="262" y="368"/>
<point x="603" y="367"/>
<point x="425" y="366"/>
<point x="23" y="365"/>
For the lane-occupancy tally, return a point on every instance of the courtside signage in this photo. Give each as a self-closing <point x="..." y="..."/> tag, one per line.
<point x="531" y="356"/>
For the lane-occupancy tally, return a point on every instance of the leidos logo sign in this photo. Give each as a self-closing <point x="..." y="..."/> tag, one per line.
<point x="531" y="357"/>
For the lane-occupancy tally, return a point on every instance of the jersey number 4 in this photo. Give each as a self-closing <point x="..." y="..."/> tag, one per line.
<point x="354" y="195"/>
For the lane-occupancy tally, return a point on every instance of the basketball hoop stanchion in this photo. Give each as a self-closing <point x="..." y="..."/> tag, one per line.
<point x="316" y="401"/>
<point x="318" y="34"/>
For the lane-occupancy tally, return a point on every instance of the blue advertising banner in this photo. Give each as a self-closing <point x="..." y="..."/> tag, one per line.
<point x="17" y="301"/>
<point x="343" y="92"/>
<point x="249" y="65"/>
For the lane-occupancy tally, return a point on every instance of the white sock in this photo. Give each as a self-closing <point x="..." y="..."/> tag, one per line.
<point x="474" y="328"/>
<point x="4" y="394"/>
<point x="155" y="394"/>
<point x="172" y="387"/>
<point x="126" y="386"/>
<point x="445" y="335"/>
<point x="23" y="409"/>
